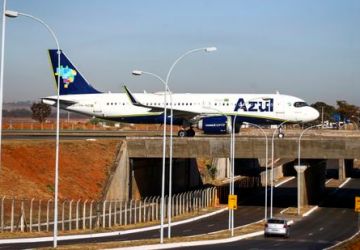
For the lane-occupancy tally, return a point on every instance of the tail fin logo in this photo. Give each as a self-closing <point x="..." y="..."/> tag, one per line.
<point x="67" y="74"/>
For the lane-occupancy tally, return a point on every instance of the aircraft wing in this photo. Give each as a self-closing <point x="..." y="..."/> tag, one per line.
<point x="177" y="113"/>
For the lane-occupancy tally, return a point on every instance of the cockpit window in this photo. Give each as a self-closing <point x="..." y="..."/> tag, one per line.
<point x="300" y="104"/>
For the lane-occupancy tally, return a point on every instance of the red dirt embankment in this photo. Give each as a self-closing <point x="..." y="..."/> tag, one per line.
<point x="28" y="168"/>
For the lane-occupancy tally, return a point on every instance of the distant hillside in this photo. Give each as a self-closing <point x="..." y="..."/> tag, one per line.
<point x="22" y="109"/>
<point x="17" y="105"/>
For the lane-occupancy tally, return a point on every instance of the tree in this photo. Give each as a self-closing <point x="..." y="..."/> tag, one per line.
<point x="348" y="111"/>
<point x="327" y="109"/>
<point x="40" y="111"/>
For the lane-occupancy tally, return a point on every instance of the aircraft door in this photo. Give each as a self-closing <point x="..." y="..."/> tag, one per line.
<point x="279" y="108"/>
<point x="97" y="108"/>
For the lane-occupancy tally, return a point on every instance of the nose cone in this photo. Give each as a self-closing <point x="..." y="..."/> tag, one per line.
<point x="313" y="114"/>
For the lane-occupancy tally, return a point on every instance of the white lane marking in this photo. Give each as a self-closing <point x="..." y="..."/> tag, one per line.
<point x="193" y="243"/>
<point x="283" y="182"/>
<point x="321" y="228"/>
<point x="211" y="225"/>
<point x="310" y="234"/>
<point x="310" y="211"/>
<point x="345" y="182"/>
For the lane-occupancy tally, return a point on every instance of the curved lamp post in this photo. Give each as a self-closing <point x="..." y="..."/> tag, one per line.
<point x="272" y="169"/>
<point x="166" y="82"/>
<point x="13" y="14"/>
<point x="167" y="90"/>
<point x="231" y="160"/>
<point x="266" y="165"/>
<point x="298" y="172"/>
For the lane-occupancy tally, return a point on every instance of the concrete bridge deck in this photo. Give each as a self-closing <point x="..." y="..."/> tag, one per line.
<point x="313" y="146"/>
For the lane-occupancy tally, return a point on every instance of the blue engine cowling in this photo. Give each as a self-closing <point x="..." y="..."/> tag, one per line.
<point x="215" y="125"/>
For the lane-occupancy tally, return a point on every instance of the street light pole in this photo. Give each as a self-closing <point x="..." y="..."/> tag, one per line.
<point x="266" y="166"/>
<point x="231" y="160"/>
<point x="162" y="209"/>
<point x="167" y="89"/>
<point x="298" y="172"/>
<point x="13" y="14"/>
<point x="233" y="170"/>
<point x="2" y="73"/>
<point x="272" y="169"/>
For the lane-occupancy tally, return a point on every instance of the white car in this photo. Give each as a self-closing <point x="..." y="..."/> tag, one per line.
<point x="277" y="227"/>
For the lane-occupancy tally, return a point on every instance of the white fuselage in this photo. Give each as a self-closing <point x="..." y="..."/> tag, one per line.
<point x="266" y="107"/>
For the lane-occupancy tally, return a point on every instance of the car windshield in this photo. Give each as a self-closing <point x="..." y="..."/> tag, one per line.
<point x="276" y="221"/>
<point x="300" y="104"/>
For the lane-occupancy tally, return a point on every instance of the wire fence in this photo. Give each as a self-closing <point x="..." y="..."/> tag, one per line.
<point x="38" y="215"/>
<point x="13" y="125"/>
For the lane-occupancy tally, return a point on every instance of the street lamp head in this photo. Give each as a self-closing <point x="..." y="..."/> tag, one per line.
<point x="11" y="13"/>
<point x="210" y="49"/>
<point x="137" y="72"/>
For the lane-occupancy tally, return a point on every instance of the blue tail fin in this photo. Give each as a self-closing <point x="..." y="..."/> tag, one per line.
<point x="71" y="81"/>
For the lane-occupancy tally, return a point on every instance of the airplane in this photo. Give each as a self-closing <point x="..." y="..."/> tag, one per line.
<point x="211" y="113"/>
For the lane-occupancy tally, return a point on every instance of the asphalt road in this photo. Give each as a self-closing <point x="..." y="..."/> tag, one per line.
<point x="334" y="221"/>
<point x="250" y="209"/>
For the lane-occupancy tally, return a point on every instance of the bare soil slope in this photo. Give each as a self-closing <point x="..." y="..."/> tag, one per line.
<point x="28" y="168"/>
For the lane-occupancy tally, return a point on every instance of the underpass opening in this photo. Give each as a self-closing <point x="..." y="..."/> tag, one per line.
<point x="146" y="176"/>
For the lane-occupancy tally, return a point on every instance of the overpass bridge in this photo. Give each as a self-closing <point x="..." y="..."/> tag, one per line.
<point x="139" y="159"/>
<point x="312" y="147"/>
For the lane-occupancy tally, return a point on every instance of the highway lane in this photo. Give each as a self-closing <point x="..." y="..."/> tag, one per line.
<point x="333" y="222"/>
<point x="250" y="210"/>
<point x="244" y="215"/>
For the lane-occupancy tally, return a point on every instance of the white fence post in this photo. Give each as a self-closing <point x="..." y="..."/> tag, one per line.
<point x="31" y="214"/>
<point x="104" y="213"/>
<point x="12" y="215"/>
<point x="22" y="216"/>
<point x="144" y="212"/>
<point x="121" y="208"/>
<point x="48" y="215"/>
<point x="109" y="212"/>
<point x="70" y="214"/>
<point x="2" y="214"/>
<point x="135" y="212"/>
<point x="39" y="216"/>
<point x="115" y="212"/>
<point x="153" y="208"/>
<point x="131" y="202"/>
<point x="77" y="215"/>
<point x="125" y="213"/>
<point x="91" y="214"/>
<point x="63" y="216"/>
<point x="157" y="208"/>
<point x="84" y="214"/>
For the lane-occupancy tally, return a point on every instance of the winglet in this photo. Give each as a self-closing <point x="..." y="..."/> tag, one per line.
<point x="131" y="97"/>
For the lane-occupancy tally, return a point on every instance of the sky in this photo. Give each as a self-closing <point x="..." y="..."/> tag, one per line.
<point x="305" y="48"/>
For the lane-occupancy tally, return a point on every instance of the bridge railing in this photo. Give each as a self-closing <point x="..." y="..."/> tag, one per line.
<point x="38" y="215"/>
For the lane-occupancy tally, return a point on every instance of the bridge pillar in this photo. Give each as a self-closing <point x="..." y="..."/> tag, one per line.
<point x="302" y="188"/>
<point x="222" y="167"/>
<point x="342" y="169"/>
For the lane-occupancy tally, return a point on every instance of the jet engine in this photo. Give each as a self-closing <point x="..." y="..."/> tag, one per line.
<point x="215" y="125"/>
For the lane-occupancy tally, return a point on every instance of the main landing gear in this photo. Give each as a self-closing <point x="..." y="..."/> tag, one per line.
<point x="186" y="133"/>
